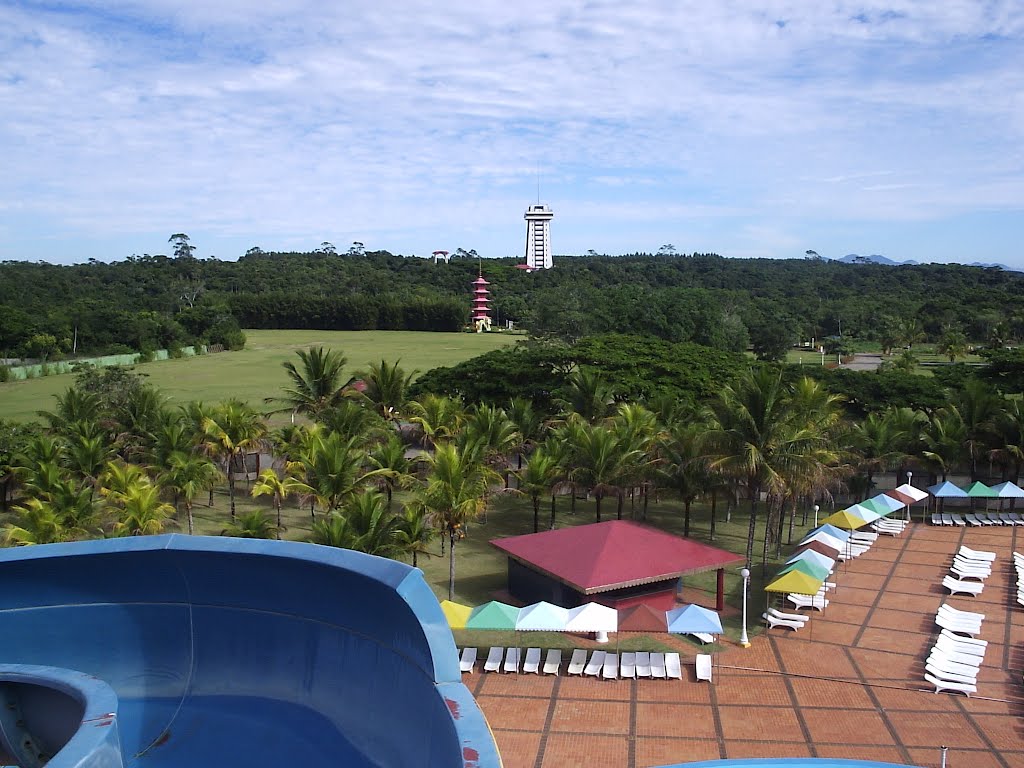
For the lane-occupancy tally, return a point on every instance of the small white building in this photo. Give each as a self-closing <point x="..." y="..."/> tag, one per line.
<point x="538" y="237"/>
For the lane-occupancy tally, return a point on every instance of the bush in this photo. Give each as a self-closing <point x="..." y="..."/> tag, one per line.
<point x="5" y="374"/>
<point x="175" y="351"/>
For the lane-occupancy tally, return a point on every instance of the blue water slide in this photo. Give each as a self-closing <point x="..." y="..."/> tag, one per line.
<point x="193" y="651"/>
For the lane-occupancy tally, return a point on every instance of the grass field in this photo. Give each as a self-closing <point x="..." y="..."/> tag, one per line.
<point x="255" y="372"/>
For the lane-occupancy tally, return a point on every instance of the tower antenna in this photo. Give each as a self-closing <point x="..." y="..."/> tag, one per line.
<point x="538" y="183"/>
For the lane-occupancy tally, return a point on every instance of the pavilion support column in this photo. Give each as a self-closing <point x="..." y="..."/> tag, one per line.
<point x="720" y="593"/>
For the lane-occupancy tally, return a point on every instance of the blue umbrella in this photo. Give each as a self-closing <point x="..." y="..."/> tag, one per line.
<point x="831" y="530"/>
<point x="946" y="490"/>
<point x="693" y="618"/>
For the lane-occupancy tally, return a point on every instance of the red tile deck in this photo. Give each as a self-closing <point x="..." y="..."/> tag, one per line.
<point x="850" y="685"/>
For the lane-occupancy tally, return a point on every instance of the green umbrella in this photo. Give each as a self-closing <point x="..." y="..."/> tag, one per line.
<point x="493" y="615"/>
<point x="812" y="569"/>
<point x="979" y="490"/>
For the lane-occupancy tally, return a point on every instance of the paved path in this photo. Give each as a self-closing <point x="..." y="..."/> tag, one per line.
<point x="864" y="362"/>
<point x="849" y="685"/>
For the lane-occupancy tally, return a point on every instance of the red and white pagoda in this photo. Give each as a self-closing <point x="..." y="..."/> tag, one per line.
<point x="481" y="304"/>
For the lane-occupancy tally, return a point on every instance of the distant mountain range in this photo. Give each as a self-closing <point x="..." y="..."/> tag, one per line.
<point x="854" y="258"/>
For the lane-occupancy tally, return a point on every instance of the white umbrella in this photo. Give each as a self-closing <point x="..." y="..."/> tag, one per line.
<point x="593" y="617"/>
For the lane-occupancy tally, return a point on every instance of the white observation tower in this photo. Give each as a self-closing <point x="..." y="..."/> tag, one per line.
<point x="538" y="237"/>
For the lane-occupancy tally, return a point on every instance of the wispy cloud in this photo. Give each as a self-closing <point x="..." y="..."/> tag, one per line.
<point x="413" y="126"/>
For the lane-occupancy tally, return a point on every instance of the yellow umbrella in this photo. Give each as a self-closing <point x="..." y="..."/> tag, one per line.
<point x="845" y="519"/>
<point x="456" y="613"/>
<point x="796" y="582"/>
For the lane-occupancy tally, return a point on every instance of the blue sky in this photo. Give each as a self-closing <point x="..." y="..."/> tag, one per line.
<point x="752" y="129"/>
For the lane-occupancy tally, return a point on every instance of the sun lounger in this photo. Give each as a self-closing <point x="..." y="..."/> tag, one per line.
<point x="468" y="660"/>
<point x="627" y="666"/>
<point x="955" y="586"/>
<point x="1005" y="518"/>
<point x="953" y="645"/>
<point x="947" y="685"/>
<point x="577" y="662"/>
<point x="1016" y="518"/>
<point x="801" y="617"/>
<point x="673" y="668"/>
<point x="957" y="520"/>
<point x="890" y="531"/>
<point x="976" y="554"/>
<point x="943" y="674"/>
<point x="984" y="519"/>
<point x="973" y="520"/>
<point x="513" y="659"/>
<point x="658" y="666"/>
<point x="947" y="519"/>
<point x="963" y="640"/>
<point x="965" y="659"/>
<point x="958" y="628"/>
<point x="532" y="663"/>
<point x="936" y="518"/>
<point x="611" y="666"/>
<point x="774" y="622"/>
<point x="972" y="566"/>
<point x="806" y="601"/>
<point x="968" y="562"/>
<point x="702" y="664"/>
<point x="956" y="613"/>
<point x="704" y="637"/>
<point x="643" y="664"/>
<point x="494" y="657"/>
<point x="596" y="664"/>
<point x="552" y="662"/>
<point x="967" y="573"/>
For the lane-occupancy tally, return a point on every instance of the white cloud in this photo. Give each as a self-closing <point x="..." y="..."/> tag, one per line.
<point x="284" y="120"/>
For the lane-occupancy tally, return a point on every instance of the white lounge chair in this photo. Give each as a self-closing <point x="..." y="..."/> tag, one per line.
<point x="956" y="613"/>
<point x="577" y="662"/>
<point x="643" y="664"/>
<point x="552" y="662"/>
<point x="956" y="586"/>
<point x="596" y="663"/>
<point x="966" y="659"/>
<point x="957" y="520"/>
<point x="958" y="647"/>
<point x="943" y="673"/>
<point x="958" y="628"/>
<point x="673" y="667"/>
<point x="513" y="658"/>
<point x="658" y="668"/>
<point x="468" y="660"/>
<point x="970" y="562"/>
<point x="947" y="519"/>
<point x="946" y="685"/>
<point x="773" y="622"/>
<point x="627" y="666"/>
<point x="532" y="663"/>
<point x="704" y="637"/>
<point x="936" y="518"/>
<point x="803" y="618"/>
<point x="807" y="601"/>
<point x="969" y="573"/>
<point x="611" y="666"/>
<point x="494" y="657"/>
<point x="963" y="640"/>
<point x="976" y="554"/>
<point x="702" y="664"/>
<point x="973" y="520"/>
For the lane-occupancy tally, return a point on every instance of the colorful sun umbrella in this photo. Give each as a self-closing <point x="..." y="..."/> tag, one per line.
<point x="907" y="491"/>
<point x="1008" y="490"/>
<point x="882" y="510"/>
<point x="693" y="618"/>
<point x="978" y="490"/>
<point x="542" y="617"/>
<point x="946" y="490"/>
<point x="844" y="519"/>
<point x="808" y="567"/>
<point x="493" y="615"/>
<point x="642" y="618"/>
<point x="796" y="583"/>
<point x="813" y="557"/>
<point x="869" y="515"/>
<point x="824" y="538"/>
<point x="592" y="617"/>
<point x="831" y="530"/>
<point x="889" y="502"/>
<point x="822" y="548"/>
<point x="456" y="613"/>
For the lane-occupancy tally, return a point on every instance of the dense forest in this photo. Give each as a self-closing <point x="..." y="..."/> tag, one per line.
<point x="157" y="301"/>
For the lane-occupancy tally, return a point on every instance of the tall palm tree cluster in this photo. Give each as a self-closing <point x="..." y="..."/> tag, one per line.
<point x="380" y="473"/>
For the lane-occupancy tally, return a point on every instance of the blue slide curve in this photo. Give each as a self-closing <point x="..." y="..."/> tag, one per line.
<point x="194" y="651"/>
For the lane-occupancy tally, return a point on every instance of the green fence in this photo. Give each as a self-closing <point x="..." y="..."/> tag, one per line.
<point x="19" y="372"/>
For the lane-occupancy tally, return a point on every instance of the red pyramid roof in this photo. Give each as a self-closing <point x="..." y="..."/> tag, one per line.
<point x="618" y="553"/>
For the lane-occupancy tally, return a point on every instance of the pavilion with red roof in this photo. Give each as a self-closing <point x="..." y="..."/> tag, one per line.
<point x="618" y="563"/>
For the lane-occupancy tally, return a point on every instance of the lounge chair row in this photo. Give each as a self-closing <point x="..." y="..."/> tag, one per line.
<point x="977" y="518"/>
<point x="794" y="621"/>
<point x="954" y="660"/>
<point x="1018" y="565"/>
<point x="888" y="526"/>
<point x="607" y="665"/>
<point x="969" y="570"/>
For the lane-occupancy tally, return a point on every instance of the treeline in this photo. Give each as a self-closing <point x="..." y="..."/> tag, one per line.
<point x="726" y="304"/>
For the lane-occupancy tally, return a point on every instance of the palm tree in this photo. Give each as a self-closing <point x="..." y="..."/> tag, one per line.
<point x="253" y="525"/>
<point x="38" y="523"/>
<point x="415" y="533"/>
<point x="438" y="417"/>
<point x="601" y="462"/>
<point x="530" y="426"/>
<point x="389" y="458"/>
<point x="231" y="430"/>
<point x="314" y="386"/>
<point x="493" y="432"/>
<point x="683" y="468"/>
<point x="353" y="420"/>
<point x="363" y="525"/>
<point x="386" y="389"/>
<point x="142" y="513"/>
<point x="952" y="344"/>
<point x="119" y="479"/>
<point x="65" y="512"/>
<point x="1008" y="448"/>
<point x="981" y="407"/>
<point x="588" y="395"/>
<point x="86" y="457"/>
<point x="188" y="475"/>
<point x="280" y="485"/>
<point x="945" y="440"/>
<point x="538" y="477"/>
<point x="455" y="494"/>
<point x="336" y="468"/>
<point x="73" y="406"/>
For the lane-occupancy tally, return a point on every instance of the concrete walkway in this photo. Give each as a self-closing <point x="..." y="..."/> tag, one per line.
<point x="848" y="685"/>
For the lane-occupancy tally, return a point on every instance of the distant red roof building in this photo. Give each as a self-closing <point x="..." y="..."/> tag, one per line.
<point x="624" y="562"/>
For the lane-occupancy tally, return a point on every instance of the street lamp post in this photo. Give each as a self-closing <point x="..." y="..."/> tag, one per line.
<point x="816" y="508"/>
<point x="910" y="477"/>
<point x="745" y="574"/>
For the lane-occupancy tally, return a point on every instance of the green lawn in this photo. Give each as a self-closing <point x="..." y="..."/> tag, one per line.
<point x="255" y="372"/>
